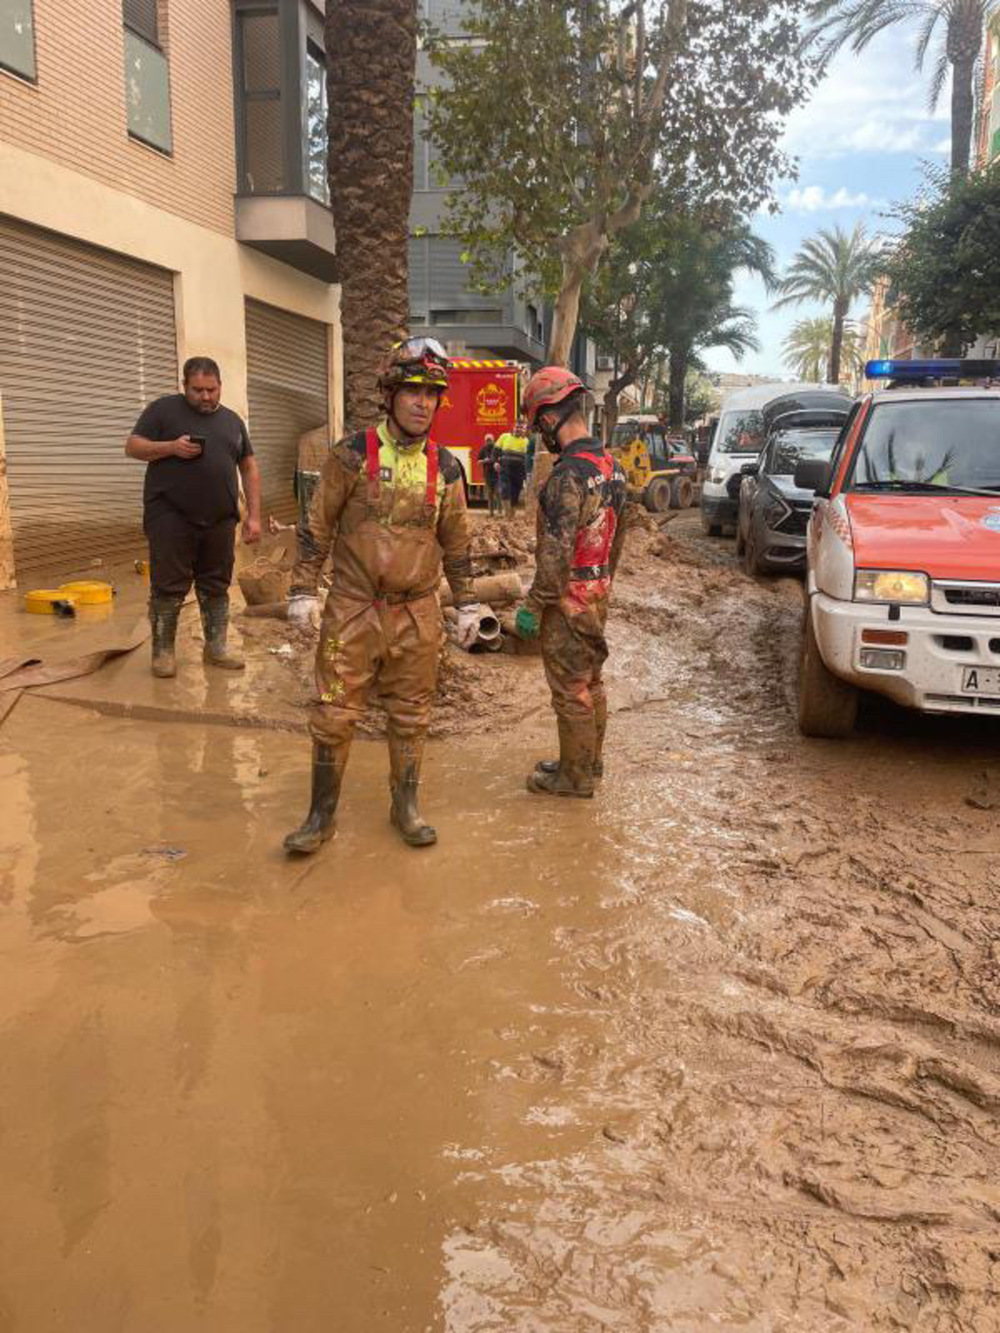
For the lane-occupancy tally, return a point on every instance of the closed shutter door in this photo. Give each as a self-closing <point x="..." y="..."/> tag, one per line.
<point x="287" y="396"/>
<point x="86" y="341"/>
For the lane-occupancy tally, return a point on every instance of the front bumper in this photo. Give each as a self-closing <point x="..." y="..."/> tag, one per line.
<point x="784" y="550"/>
<point x="938" y="651"/>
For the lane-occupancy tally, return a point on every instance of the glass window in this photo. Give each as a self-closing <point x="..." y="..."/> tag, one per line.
<point x="263" y="125"/>
<point x="740" y="433"/>
<point x="317" y="182"/>
<point x="17" y="37"/>
<point x="141" y="17"/>
<point x="789" y="447"/>
<point x="147" y="92"/>
<point x="944" y="442"/>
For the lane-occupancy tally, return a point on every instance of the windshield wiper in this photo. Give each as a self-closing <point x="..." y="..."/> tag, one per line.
<point x="924" y="487"/>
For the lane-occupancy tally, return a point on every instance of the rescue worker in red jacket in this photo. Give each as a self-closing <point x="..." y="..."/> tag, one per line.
<point x="391" y="504"/>
<point x="579" y="541"/>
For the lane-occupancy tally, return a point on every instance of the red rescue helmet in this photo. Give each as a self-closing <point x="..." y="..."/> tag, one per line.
<point x="549" y="387"/>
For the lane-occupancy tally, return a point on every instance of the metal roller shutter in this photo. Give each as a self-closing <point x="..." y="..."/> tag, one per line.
<point x="287" y="396"/>
<point x="86" y="341"/>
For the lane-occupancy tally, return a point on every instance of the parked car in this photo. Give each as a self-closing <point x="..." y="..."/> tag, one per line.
<point x="738" y="439"/>
<point x="903" y="551"/>
<point x="773" y="511"/>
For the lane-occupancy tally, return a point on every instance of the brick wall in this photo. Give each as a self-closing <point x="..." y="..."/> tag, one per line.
<point x="76" y="113"/>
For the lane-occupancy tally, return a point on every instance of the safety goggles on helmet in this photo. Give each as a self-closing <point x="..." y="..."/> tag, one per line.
<point x="415" y="361"/>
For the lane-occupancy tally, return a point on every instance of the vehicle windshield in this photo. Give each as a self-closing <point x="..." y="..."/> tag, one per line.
<point x="789" y="447"/>
<point x="740" y="433"/>
<point x="627" y="431"/>
<point x="943" y="443"/>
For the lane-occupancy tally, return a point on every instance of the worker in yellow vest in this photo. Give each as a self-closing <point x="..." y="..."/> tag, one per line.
<point x="512" y="451"/>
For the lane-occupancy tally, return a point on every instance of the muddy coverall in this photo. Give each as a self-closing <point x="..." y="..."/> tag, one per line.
<point x="579" y="541"/>
<point x="390" y="513"/>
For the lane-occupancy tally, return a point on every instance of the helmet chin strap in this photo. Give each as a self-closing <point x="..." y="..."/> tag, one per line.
<point x="550" y="433"/>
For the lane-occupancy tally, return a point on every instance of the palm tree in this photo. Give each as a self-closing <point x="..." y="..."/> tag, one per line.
<point x="807" y="347"/>
<point x="724" y="325"/>
<point x="961" y="23"/>
<point x="832" y="267"/>
<point x="371" y="51"/>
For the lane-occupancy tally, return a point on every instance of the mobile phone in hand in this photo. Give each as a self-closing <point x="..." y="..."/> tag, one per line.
<point x="198" y="439"/>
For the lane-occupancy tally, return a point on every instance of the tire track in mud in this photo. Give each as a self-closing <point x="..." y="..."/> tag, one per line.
<point x="794" y="1098"/>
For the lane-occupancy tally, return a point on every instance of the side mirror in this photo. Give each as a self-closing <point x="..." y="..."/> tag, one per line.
<point x="748" y="470"/>
<point x="813" y="474"/>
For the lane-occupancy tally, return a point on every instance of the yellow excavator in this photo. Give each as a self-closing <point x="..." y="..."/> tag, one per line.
<point x="659" y="464"/>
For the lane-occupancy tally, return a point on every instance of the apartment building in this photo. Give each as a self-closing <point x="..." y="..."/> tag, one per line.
<point x="988" y="137"/>
<point x="162" y="194"/>
<point x="441" y="303"/>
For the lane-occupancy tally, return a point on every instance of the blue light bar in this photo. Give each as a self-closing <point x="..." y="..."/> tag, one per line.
<point x="942" y="368"/>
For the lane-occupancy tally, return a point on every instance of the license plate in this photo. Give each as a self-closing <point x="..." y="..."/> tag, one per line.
<point x="981" y="680"/>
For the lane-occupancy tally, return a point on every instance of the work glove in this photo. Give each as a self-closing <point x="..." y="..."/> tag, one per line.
<point x="467" y="624"/>
<point x="527" y="623"/>
<point x="303" y="611"/>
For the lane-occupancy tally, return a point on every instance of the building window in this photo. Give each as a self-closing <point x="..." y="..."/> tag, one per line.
<point x="281" y="106"/>
<point x="466" y="316"/>
<point x="17" y="37"/>
<point x="259" y="48"/>
<point x="317" y="181"/>
<point x="147" y="77"/>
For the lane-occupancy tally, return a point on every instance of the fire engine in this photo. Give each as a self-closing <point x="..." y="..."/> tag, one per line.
<point x="482" y="399"/>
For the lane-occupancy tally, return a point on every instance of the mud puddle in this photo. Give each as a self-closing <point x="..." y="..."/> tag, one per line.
<point x="716" y="1051"/>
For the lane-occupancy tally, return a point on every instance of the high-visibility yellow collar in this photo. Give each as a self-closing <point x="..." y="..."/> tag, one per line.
<point x="386" y="437"/>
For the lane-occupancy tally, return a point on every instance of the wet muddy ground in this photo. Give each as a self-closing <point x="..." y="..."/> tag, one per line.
<point x="719" y="1050"/>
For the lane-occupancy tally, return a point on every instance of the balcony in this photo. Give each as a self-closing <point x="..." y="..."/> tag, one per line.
<point x="283" y="202"/>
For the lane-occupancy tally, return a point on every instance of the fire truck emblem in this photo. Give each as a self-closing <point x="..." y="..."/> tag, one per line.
<point x="491" y="405"/>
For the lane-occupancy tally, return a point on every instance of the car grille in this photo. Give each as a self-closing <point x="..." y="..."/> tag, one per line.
<point x="972" y="596"/>
<point x="795" y="523"/>
<point x="968" y="599"/>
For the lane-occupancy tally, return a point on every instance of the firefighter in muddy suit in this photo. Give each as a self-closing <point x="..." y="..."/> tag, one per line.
<point x="391" y="504"/>
<point x="579" y="540"/>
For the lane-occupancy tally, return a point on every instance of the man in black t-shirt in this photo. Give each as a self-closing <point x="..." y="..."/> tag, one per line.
<point x="194" y="447"/>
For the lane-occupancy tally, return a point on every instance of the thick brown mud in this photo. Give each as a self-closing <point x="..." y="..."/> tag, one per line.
<point x="718" y="1050"/>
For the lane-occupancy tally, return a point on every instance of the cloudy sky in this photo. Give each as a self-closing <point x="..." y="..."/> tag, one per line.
<point x="861" y="142"/>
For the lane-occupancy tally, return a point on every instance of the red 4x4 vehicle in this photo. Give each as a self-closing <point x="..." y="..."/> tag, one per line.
<point x="903" y="551"/>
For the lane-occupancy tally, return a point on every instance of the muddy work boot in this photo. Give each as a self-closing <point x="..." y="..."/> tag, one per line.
<point x="318" y="827"/>
<point x="404" y="781"/>
<point x="574" y="773"/>
<point x="215" y="622"/>
<point x="600" y="731"/>
<point x="164" y="611"/>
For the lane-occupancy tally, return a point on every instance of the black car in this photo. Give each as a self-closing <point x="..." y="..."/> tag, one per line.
<point x="773" y="511"/>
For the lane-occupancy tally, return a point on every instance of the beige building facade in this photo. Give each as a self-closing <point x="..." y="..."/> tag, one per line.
<point x="162" y="195"/>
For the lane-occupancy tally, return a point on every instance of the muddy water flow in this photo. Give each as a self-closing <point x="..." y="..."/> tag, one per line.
<point x="718" y="1050"/>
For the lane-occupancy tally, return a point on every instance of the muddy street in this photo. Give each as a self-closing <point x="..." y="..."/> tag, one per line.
<point x="719" y="1050"/>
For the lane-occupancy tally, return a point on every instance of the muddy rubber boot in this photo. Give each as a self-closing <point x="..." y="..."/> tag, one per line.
<point x="318" y="827"/>
<point x="164" y="611"/>
<point x="551" y="766"/>
<point x="574" y="775"/>
<point x="215" y="622"/>
<point x="404" y="782"/>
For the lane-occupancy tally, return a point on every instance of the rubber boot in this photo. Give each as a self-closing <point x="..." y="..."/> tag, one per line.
<point x="404" y="781"/>
<point x="327" y="772"/>
<point x="600" y="730"/>
<point x="164" y="610"/>
<point x="574" y="775"/>
<point x="215" y="622"/>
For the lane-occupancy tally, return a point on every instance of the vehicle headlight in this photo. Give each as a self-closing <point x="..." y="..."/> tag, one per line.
<point x="891" y="585"/>
<point x="775" y="509"/>
<point x="718" y="475"/>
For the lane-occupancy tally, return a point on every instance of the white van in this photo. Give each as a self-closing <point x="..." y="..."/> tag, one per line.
<point x="738" y="439"/>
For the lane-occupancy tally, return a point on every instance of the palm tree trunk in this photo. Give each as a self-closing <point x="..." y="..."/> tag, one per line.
<point x="836" y="340"/>
<point x="371" y="52"/>
<point x="962" y="113"/>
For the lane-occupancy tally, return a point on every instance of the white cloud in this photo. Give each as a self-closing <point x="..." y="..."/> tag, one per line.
<point x="873" y="103"/>
<point x="814" y="199"/>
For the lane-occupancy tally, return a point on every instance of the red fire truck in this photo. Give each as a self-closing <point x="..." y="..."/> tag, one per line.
<point x="482" y="399"/>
